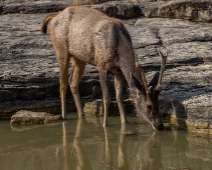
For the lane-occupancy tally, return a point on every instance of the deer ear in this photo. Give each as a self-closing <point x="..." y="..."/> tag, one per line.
<point x="135" y="84"/>
<point x="154" y="80"/>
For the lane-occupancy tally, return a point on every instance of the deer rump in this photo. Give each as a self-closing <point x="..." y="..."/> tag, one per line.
<point x="83" y="35"/>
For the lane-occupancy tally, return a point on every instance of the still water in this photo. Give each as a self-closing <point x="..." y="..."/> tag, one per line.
<point x="86" y="145"/>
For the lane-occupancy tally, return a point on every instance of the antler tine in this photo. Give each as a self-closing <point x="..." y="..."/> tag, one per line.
<point x="143" y="77"/>
<point x="162" y="69"/>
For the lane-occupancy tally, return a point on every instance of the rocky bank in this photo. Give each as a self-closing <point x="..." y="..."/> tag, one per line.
<point x="29" y="74"/>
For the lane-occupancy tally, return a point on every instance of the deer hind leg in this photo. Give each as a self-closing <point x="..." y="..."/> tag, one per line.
<point x="119" y="82"/>
<point x="105" y="94"/>
<point x="63" y="61"/>
<point x="78" y="68"/>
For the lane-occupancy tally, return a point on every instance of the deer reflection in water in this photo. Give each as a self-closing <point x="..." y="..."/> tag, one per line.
<point x="113" y="151"/>
<point x="143" y="156"/>
<point x="121" y="156"/>
<point x="78" y="159"/>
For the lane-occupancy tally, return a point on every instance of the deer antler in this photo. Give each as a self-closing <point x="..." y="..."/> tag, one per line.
<point x="143" y="78"/>
<point x="162" y="69"/>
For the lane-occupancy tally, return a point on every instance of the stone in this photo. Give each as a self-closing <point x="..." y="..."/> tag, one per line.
<point x="24" y="117"/>
<point x="129" y="133"/>
<point x="96" y="107"/>
<point x="119" y="9"/>
<point x="194" y="10"/>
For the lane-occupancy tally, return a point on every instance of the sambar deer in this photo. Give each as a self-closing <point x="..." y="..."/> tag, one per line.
<point x="82" y="35"/>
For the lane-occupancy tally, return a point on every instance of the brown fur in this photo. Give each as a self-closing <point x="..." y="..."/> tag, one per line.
<point x="83" y="36"/>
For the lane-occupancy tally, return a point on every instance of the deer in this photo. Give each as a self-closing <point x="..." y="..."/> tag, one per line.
<point x="82" y="35"/>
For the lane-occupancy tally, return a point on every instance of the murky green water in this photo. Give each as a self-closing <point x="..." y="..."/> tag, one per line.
<point x="85" y="145"/>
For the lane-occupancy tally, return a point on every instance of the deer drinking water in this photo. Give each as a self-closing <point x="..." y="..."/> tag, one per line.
<point x="83" y="36"/>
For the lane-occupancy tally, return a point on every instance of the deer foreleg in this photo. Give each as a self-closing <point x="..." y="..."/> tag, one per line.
<point x="63" y="87"/>
<point x="119" y="86"/>
<point x="78" y="68"/>
<point x="105" y="94"/>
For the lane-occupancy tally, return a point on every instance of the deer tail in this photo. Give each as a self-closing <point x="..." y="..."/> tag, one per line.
<point x="46" y="21"/>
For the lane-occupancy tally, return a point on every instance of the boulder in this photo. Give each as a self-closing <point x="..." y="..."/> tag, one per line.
<point x="24" y="117"/>
<point x="194" y="10"/>
<point x="96" y="107"/>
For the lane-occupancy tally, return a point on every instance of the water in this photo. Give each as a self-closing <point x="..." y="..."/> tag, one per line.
<point x="86" y="145"/>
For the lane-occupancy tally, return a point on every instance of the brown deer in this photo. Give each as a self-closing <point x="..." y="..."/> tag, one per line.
<point x="82" y="35"/>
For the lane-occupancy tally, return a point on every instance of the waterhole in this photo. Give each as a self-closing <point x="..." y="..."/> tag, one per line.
<point x="85" y="145"/>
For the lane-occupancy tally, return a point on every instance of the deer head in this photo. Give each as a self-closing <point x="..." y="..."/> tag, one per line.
<point x="145" y="96"/>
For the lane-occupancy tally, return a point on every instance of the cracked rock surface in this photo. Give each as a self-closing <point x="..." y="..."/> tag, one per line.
<point x="29" y="74"/>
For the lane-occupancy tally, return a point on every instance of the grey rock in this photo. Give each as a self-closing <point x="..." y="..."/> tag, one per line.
<point x="115" y="9"/>
<point x="194" y="10"/>
<point x="119" y="9"/>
